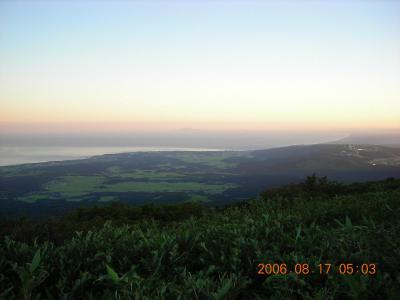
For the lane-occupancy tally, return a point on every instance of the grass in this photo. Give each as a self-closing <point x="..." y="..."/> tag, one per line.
<point x="19" y="170"/>
<point x="107" y="199"/>
<point x="66" y="187"/>
<point x="214" y="159"/>
<point x="215" y="256"/>
<point x="144" y="174"/>
<point x="33" y="197"/>
<point x="198" y="198"/>
<point x="72" y="187"/>
<point x="156" y="187"/>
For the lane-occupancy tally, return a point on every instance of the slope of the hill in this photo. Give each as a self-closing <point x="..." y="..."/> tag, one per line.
<point x="303" y="229"/>
<point x="214" y="178"/>
<point x="390" y="138"/>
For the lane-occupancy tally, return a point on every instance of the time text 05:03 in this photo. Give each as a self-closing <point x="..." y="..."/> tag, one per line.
<point x="265" y="269"/>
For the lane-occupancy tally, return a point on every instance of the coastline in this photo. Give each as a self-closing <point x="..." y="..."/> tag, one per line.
<point x="20" y="155"/>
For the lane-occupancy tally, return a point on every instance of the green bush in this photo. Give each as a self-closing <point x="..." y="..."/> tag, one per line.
<point x="214" y="255"/>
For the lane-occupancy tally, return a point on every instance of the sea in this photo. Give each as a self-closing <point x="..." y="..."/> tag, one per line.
<point x="27" y="154"/>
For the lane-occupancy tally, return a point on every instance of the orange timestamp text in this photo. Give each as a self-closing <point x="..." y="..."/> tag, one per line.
<point x="266" y="269"/>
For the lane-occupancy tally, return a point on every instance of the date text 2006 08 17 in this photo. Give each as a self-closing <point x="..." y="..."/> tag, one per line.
<point x="322" y="268"/>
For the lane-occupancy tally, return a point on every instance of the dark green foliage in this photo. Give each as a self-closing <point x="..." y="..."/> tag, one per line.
<point x="58" y="229"/>
<point x="215" y="255"/>
<point x="315" y="186"/>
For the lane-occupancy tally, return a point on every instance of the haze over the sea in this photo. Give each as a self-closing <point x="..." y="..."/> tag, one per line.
<point x="30" y="148"/>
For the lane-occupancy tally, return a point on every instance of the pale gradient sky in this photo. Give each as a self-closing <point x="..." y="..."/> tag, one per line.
<point x="209" y="64"/>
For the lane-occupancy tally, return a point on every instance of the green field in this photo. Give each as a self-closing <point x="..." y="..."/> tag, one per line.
<point x="215" y="160"/>
<point x="144" y="174"/>
<point x="73" y="187"/>
<point x="212" y="177"/>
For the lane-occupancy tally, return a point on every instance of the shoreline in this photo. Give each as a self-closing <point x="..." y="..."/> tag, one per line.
<point x="60" y="154"/>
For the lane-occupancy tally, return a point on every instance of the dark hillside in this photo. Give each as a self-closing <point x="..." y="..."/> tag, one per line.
<point x="213" y="178"/>
<point x="342" y="162"/>
<point x="192" y="253"/>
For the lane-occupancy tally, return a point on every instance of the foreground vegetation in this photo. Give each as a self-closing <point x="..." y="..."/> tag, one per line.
<point x="191" y="252"/>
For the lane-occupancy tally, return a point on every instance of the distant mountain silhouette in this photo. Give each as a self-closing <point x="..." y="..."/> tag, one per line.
<point x="385" y="139"/>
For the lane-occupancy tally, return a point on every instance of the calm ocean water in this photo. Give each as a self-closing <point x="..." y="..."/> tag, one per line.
<point x="23" y="155"/>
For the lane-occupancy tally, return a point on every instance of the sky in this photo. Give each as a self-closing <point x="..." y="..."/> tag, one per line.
<point x="207" y="65"/>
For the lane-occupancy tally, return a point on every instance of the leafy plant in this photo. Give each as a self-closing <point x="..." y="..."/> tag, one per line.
<point x="215" y="254"/>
